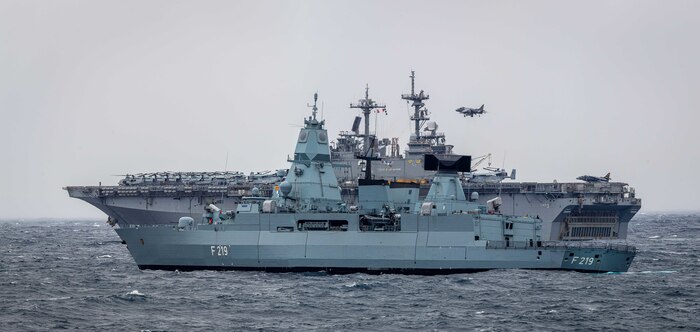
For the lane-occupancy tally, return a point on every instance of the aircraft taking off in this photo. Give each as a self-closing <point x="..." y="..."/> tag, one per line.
<point x="590" y="178"/>
<point x="471" y="111"/>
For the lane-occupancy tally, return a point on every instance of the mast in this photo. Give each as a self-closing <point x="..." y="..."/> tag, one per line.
<point x="366" y="105"/>
<point x="313" y="107"/>
<point x="420" y="113"/>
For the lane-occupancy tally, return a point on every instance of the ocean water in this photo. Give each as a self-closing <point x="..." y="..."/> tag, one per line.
<point x="78" y="275"/>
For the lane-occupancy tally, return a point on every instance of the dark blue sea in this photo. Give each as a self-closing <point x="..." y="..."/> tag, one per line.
<point x="57" y="274"/>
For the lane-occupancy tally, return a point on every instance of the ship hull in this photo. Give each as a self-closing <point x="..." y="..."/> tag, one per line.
<point x="425" y="245"/>
<point x="564" y="219"/>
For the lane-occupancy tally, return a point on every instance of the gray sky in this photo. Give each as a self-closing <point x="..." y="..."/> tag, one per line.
<point x="89" y="89"/>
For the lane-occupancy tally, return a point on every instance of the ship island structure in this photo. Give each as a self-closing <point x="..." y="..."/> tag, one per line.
<point x="592" y="209"/>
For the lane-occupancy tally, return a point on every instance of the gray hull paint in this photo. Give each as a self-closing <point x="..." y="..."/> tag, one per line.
<point x="553" y="211"/>
<point x="167" y="210"/>
<point x="306" y="225"/>
<point x="131" y="211"/>
<point x="424" y="245"/>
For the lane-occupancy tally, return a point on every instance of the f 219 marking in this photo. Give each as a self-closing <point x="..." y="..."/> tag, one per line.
<point x="219" y="250"/>
<point x="582" y="260"/>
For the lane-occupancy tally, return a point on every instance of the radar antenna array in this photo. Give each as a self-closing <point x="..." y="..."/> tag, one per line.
<point x="367" y="105"/>
<point x="314" y="109"/>
<point x="420" y="113"/>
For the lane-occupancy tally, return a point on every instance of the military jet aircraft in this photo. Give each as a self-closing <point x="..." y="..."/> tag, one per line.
<point x="590" y="178"/>
<point x="492" y="175"/>
<point x="466" y="111"/>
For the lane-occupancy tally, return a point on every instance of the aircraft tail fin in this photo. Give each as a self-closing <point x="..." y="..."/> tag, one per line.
<point x="607" y="176"/>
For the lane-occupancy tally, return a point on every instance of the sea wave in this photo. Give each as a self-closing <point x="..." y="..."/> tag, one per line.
<point x="73" y="275"/>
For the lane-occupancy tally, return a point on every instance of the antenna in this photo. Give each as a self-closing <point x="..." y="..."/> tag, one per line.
<point x="366" y="105"/>
<point x="226" y="163"/>
<point x="420" y="113"/>
<point x="314" y="109"/>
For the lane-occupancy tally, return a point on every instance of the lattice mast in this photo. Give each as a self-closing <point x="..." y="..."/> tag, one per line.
<point x="420" y="113"/>
<point x="367" y="105"/>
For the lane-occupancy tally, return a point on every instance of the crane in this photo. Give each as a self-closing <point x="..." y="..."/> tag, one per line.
<point x="480" y="159"/>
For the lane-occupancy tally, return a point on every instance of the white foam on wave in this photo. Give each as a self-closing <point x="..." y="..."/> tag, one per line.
<point x="135" y="292"/>
<point x="644" y="272"/>
<point x="655" y="237"/>
<point x="59" y="298"/>
<point x="674" y="252"/>
<point x="104" y="256"/>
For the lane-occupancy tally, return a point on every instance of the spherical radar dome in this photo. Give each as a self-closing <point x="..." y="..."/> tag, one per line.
<point x="285" y="188"/>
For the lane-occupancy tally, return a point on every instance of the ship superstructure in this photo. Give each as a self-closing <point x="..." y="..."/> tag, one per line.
<point x="569" y="211"/>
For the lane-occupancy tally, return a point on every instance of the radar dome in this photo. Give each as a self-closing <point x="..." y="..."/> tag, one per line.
<point x="475" y="196"/>
<point x="185" y="222"/>
<point x="285" y="188"/>
<point x="255" y="191"/>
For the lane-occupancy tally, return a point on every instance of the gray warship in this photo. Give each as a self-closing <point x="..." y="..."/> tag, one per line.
<point x="569" y="211"/>
<point x="305" y="225"/>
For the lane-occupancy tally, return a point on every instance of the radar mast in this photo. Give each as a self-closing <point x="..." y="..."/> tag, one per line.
<point x="313" y="107"/>
<point x="420" y="113"/>
<point x="366" y="105"/>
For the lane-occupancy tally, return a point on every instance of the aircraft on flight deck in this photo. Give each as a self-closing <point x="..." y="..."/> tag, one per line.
<point x="590" y="178"/>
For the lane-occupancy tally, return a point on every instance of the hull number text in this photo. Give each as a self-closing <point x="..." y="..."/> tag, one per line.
<point x="219" y="250"/>
<point x="582" y="260"/>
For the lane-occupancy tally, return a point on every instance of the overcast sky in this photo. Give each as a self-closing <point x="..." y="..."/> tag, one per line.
<point x="93" y="89"/>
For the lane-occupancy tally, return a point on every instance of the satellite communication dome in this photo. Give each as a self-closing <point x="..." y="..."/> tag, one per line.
<point x="285" y="188"/>
<point x="475" y="196"/>
<point x="431" y="126"/>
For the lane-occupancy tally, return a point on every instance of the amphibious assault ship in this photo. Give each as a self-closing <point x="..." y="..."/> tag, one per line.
<point x="306" y="226"/>
<point x="569" y="211"/>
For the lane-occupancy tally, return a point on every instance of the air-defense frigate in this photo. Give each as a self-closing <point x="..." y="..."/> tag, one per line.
<point x="306" y="226"/>
<point x="569" y="211"/>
